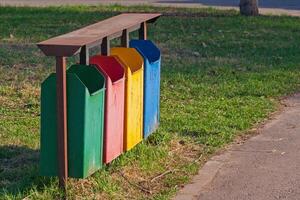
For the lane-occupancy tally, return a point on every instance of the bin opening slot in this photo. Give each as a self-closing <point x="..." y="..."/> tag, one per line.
<point x="129" y="57"/>
<point x="89" y="76"/>
<point x="147" y="49"/>
<point x="110" y="66"/>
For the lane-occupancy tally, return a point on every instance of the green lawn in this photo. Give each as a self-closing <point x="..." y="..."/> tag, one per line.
<point x="221" y="75"/>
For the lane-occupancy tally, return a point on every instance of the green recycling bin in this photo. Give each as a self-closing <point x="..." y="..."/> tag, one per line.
<point x="85" y="116"/>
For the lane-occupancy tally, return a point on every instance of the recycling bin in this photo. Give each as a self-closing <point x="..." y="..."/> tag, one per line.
<point x="113" y="72"/>
<point x="152" y="60"/>
<point x="133" y="117"/>
<point x="85" y="114"/>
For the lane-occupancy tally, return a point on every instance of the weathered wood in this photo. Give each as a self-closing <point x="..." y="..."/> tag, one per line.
<point x="84" y="56"/>
<point x="70" y="43"/>
<point x="61" y="88"/>
<point x="125" y="38"/>
<point x="143" y="31"/>
<point x="105" y="47"/>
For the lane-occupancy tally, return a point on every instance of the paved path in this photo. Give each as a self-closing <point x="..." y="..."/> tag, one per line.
<point x="265" y="167"/>
<point x="277" y="7"/>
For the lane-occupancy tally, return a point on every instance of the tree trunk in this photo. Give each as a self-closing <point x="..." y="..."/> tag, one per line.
<point x="249" y="7"/>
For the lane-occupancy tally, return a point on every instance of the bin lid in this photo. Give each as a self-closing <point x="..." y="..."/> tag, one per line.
<point x="129" y="56"/>
<point x="89" y="76"/>
<point x="147" y="48"/>
<point x="109" y="66"/>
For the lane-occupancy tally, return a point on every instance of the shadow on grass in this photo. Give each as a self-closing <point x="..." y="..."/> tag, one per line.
<point x="18" y="169"/>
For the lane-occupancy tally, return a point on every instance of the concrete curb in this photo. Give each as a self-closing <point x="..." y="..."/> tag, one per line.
<point x="205" y="176"/>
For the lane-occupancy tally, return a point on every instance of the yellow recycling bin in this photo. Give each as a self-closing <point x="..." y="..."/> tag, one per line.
<point x="132" y="61"/>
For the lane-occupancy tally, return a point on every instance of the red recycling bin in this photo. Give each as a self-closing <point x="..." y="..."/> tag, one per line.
<point x="113" y="72"/>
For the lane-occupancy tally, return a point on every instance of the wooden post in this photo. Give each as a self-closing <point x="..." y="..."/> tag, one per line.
<point x="84" y="55"/>
<point x="61" y="90"/>
<point x="125" y="38"/>
<point x="105" y="47"/>
<point x="143" y="31"/>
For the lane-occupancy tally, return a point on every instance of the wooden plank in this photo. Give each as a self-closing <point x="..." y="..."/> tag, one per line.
<point x="61" y="88"/>
<point x="70" y="43"/>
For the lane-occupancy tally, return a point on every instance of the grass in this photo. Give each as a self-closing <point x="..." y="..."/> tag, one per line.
<point x="221" y="75"/>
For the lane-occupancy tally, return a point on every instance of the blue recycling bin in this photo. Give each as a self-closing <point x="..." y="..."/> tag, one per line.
<point x="152" y="60"/>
